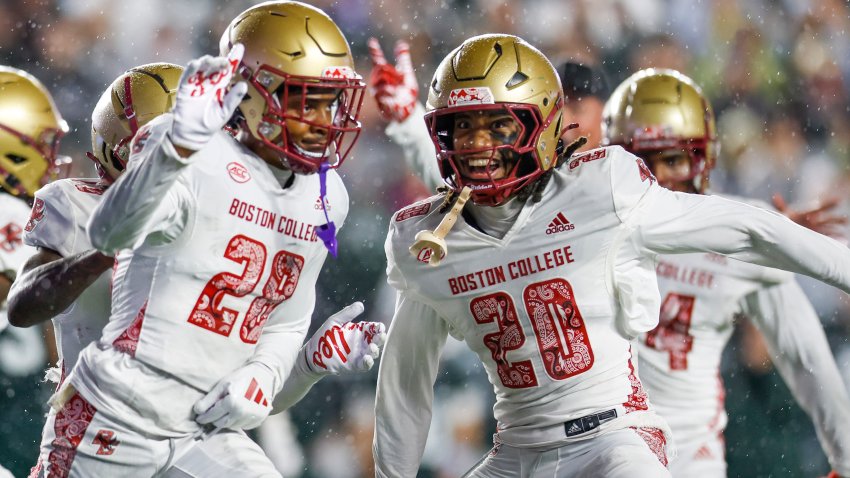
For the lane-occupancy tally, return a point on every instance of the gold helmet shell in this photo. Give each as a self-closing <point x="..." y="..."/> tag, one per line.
<point x="30" y="130"/>
<point x="658" y="110"/>
<point x="290" y="48"/>
<point x="497" y="71"/>
<point x="133" y="99"/>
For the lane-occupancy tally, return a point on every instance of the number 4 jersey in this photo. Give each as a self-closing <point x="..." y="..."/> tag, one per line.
<point x="551" y="308"/>
<point x="702" y="294"/>
<point x="216" y="252"/>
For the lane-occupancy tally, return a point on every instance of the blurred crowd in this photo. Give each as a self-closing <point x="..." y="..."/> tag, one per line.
<point x="776" y="72"/>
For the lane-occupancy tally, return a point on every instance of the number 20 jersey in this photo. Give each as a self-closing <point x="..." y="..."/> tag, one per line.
<point x="540" y="306"/>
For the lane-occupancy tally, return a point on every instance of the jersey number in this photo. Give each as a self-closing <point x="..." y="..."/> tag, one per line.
<point x="674" y="323"/>
<point x="210" y="314"/>
<point x="558" y="327"/>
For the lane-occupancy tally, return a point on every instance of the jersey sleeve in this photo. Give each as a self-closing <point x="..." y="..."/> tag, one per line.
<point x="801" y="353"/>
<point x="147" y="198"/>
<point x="631" y="181"/>
<point x="395" y="277"/>
<point x="405" y="391"/>
<point x="418" y="148"/>
<point x="676" y="223"/>
<point x="56" y="228"/>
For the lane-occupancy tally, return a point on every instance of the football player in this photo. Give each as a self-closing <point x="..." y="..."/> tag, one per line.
<point x="663" y="117"/>
<point x="62" y="208"/>
<point x="30" y="130"/>
<point x="549" y="275"/>
<point x="219" y="246"/>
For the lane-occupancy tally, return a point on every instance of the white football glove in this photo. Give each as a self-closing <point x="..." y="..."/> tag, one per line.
<point x="393" y="87"/>
<point x="239" y="401"/>
<point x="203" y="104"/>
<point x="343" y="346"/>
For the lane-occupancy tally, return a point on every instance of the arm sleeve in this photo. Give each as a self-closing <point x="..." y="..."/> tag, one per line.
<point x="406" y="388"/>
<point x="419" y="151"/>
<point x="297" y="384"/>
<point x="799" y="348"/>
<point x="675" y="223"/>
<point x="144" y="200"/>
<point x="57" y="228"/>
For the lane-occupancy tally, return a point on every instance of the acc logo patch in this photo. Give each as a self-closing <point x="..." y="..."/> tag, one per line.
<point x="238" y="172"/>
<point x="471" y="96"/>
<point x="425" y="255"/>
<point x="413" y="211"/>
<point x="36" y="215"/>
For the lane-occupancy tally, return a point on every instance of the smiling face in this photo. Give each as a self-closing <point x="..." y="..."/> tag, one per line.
<point x="477" y="136"/>
<point x="309" y="118"/>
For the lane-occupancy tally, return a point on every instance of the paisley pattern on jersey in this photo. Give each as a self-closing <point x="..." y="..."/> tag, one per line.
<point x="208" y="312"/>
<point x="70" y="427"/>
<point x="286" y="269"/>
<point x="129" y="339"/>
<point x="559" y="328"/>
<point x="655" y="440"/>
<point x="637" y="399"/>
<point x="499" y="307"/>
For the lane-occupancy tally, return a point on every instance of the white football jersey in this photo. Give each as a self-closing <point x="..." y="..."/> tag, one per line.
<point x="14" y="215"/>
<point x="552" y="307"/>
<point x="221" y="253"/>
<point x="60" y="213"/>
<point x="680" y="360"/>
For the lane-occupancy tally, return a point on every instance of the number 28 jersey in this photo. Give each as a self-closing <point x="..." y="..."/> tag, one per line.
<point x="228" y="255"/>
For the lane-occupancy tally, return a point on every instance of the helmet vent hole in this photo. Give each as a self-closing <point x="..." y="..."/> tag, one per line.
<point x="516" y="80"/>
<point x="15" y="159"/>
<point x="498" y="49"/>
<point x="545" y="101"/>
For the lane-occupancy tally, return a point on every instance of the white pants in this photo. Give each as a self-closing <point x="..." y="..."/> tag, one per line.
<point x="705" y="458"/>
<point x="81" y="442"/>
<point x="624" y="453"/>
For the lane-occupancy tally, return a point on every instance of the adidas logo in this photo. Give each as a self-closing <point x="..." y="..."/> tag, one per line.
<point x="574" y="429"/>
<point x="258" y="397"/>
<point x="560" y="224"/>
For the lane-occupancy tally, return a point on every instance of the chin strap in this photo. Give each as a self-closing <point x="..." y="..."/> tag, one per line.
<point x="326" y="232"/>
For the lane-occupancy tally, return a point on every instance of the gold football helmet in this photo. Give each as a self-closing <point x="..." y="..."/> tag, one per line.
<point x="136" y="97"/>
<point x="30" y="130"/>
<point x="292" y="49"/>
<point x="657" y="110"/>
<point x="499" y="73"/>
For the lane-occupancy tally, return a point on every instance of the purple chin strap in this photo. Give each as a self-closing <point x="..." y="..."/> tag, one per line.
<point x="326" y="232"/>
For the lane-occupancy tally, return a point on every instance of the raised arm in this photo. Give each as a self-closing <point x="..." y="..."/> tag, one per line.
<point x="395" y="90"/>
<point x="672" y="223"/>
<point x="406" y="388"/>
<point x="160" y="152"/>
<point x="800" y="351"/>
